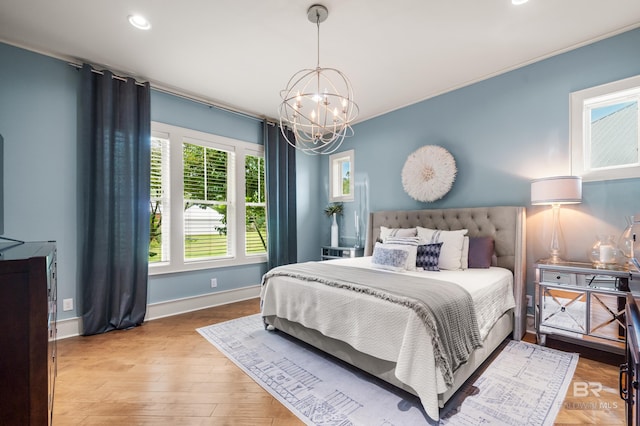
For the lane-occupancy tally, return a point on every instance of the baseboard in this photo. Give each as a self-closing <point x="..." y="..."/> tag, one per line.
<point x="70" y="327"/>
<point x="531" y="325"/>
<point x="73" y="326"/>
<point x="189" y="304"/>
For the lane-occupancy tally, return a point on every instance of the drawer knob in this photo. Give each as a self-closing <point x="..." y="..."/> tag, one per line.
<point x="557" y="277"/>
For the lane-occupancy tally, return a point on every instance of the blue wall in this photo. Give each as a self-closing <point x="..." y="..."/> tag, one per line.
<point x="502" y="132"/>
<point x="38" y="108"/>
<point x="185" y="113"/>
<point x="38" y="119"/>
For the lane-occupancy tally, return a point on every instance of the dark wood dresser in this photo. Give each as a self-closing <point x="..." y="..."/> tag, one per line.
<point x="630" y="370"/>
<point x="28" y="324"/>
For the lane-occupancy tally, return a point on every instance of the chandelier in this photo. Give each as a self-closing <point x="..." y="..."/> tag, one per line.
<point x="317" y="104"/>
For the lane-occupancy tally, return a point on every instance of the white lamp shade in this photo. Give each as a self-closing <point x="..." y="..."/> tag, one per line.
<point x="556" y="190"/>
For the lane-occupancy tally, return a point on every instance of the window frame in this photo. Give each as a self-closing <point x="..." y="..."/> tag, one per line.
<point x="335" y="176"/>
<point x="237" y="256"/>
<point x="262" y="204"/>
<point x="580" y="152"/>
<point x="165" y="178"/>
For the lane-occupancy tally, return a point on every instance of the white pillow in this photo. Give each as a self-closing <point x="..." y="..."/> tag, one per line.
<point x="464" y="260"/>
<point x="452" y="243"/>
<point x="396" y="232"/>
<point x="390" y="257"/>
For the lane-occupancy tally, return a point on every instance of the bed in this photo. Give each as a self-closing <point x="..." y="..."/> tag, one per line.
<point x="331" y="306"/>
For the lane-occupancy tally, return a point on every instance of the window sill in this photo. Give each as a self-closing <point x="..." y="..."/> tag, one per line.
<point x="209" y="264"/>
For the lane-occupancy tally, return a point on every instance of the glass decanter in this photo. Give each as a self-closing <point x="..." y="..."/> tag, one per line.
<point x="604" y="253"/>
<point x="628" y="244"/>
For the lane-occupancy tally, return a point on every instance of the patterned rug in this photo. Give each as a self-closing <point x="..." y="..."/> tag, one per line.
<point x="524" y="384"/>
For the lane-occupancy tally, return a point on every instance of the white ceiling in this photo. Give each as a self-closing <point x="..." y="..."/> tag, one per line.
<point x="241" y="53"/>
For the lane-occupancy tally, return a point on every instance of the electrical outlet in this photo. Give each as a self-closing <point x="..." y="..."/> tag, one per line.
<point x="214" y="282"/>
<point x="529" y="301"/>
<point x="67" y="304"/>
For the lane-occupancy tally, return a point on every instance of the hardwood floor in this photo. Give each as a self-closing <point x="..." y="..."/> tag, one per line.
<point x="165" y="373"/>
<point x="592" y="397"/>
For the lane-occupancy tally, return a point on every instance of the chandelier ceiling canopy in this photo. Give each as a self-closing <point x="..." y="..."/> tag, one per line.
<point x="317" y="104"/>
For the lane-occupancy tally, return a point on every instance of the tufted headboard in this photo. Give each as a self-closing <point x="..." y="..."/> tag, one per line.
<point x="506" y="225"/>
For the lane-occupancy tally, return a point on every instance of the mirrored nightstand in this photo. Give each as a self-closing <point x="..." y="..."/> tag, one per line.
<point x="340" y="252"/>
<point x="579" y="303"/>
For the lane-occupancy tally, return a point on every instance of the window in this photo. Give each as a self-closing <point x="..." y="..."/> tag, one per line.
<point x="159" y="200"/>
<point x="256" y="206"/>
<point x="203" y="212"/>
<point x="207" y="202"/>
<point x="341" y="177"/>
<point x="605" y="141"/>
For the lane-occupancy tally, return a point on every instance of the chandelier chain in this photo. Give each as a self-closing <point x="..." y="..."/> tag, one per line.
<point x="318" y="38"/>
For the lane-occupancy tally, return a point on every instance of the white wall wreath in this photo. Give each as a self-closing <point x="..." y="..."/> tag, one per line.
<point x="428" y="173"/>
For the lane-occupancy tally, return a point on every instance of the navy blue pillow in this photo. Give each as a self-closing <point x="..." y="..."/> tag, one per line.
<point x="428" y="255"/>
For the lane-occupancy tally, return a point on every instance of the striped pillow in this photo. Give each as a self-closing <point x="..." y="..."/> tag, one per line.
<point x="396" y="232"/>
<point x="451" y="251"/>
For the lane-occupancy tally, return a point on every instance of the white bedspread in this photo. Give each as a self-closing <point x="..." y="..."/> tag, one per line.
<point x="384" y="329"/>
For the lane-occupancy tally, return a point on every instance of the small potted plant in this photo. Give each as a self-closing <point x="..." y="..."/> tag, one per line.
<point x="334" y="209"/>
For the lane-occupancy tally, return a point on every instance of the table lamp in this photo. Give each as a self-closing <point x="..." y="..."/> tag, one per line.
<point x="554" y="191"/>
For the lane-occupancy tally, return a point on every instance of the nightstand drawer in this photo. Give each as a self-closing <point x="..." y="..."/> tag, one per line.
<point x="340" y="252"/>
<point x="558" y="277"/>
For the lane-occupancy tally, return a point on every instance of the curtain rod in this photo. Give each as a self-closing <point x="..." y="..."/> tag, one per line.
<point x="101" y="72"/>
<point x="191" y="98"/>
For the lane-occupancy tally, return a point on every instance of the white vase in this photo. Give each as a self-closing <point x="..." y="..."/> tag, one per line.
<point x="334" y="232"/>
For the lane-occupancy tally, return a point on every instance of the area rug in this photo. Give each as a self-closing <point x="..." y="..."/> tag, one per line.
<point x="524" y="384"/>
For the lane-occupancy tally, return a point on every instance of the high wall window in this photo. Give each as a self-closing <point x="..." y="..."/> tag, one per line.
<point x="207" y="205"/>
<point x="605" y="141"/>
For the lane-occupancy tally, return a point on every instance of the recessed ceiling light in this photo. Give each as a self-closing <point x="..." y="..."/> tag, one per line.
<point x="518" y="2"/>
<point x="139" y="22"/>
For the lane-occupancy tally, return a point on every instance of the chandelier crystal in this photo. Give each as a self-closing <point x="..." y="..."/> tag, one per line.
<point x="317" y="104"/>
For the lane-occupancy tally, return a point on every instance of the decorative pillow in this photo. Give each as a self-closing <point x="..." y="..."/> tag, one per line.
<point x="464" y="260"/>
<point x="393" y="258"/>
<point x="406" y="243"/>
<point x="451" y="251"/>
<point x="427" y="256"/>
<point x="480" y="252"/>
<point x="396" y="232"/>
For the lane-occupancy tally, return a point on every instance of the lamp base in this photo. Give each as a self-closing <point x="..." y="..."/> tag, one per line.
<point x="553" y="260"/>
<point x="555" y="255"/>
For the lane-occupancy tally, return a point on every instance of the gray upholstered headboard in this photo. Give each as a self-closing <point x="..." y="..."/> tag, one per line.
<point x="506" y="225"/>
